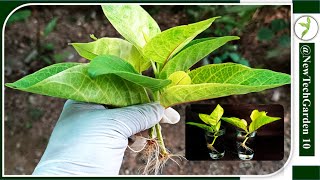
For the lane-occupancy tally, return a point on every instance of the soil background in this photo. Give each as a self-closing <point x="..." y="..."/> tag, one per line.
<point x="30" y="118"/>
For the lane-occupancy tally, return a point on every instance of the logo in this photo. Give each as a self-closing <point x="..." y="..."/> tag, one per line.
<point x="306" y="28"/>
<point x="305" y="50"/>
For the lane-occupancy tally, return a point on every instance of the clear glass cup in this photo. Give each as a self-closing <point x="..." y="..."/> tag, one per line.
<point x="244" y="144"/>
<point x="215" y="144"/>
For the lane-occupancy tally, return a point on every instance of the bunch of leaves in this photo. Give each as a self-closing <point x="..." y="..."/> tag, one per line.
<point x="212" y="122"/>
<point x="306" y="25"/>
<point x="258" y="119"/>
<point x="114" y="74"/>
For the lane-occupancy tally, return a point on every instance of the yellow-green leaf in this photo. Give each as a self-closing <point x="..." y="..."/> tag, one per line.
<point x="240" y="123"/>
<point x="71" y="81"/>
<point x="202" y="126"/>
<point x="218" y="80"/>
<point x="190" y="55"/>
<point x="132" y="22"/>
<point x="113" y="46"/>
<point x="166" y="44"/>
<point x="260" y="119"/>
<point x="107" y="64"/>
<point x="217" y="126"/>
<point x="180" y="78"/>
<point x="217" y="113"/>
<point x="255" y="114"/>
<point x="207" y="119"/>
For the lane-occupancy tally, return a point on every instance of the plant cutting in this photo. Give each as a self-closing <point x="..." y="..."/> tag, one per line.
<point x="258" y="119"/>
<point x="212" y="124"/>
<point x="114" y="76"/>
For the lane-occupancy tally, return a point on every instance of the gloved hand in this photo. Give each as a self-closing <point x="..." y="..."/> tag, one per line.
<point x="89" y="139"/>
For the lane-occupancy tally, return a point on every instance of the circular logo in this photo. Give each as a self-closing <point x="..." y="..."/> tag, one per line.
<point x="306" y="28"/>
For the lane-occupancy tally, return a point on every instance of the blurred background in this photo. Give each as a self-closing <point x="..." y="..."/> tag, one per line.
<point x="38" y="36"/>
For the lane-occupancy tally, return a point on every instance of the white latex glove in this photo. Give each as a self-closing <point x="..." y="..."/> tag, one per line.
<point x="89" y="139"/>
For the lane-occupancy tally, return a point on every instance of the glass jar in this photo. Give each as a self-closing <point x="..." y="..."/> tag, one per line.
<point x="244" y="144"/>
<point x="215" y="144"/>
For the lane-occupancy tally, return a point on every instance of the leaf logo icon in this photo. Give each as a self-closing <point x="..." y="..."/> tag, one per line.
<point x="307" y="27"/>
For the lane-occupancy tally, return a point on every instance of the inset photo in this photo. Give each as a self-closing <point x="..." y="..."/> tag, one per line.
<point x="234" y="132"/>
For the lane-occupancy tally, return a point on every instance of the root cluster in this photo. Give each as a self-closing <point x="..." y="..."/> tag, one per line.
<point x="153" y="158"/>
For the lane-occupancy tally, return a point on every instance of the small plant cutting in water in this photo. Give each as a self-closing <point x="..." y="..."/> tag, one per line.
<point x="258" y="119"/>
<point x="113" y="76"/>
<point x="212" y="129"/>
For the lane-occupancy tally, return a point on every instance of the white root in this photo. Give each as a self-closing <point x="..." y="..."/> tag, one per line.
<point x="151" y="155"/>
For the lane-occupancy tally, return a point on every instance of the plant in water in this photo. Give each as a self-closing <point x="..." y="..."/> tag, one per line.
<point x="258" y="118"/>
<point x="114" y="74"/>
<point x="212" y="124"/>
<point x="306" y="25"/>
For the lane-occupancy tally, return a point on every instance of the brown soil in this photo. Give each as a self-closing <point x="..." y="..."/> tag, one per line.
<point x="30" y="118"/>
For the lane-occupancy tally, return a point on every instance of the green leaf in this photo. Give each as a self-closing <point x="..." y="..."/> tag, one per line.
<point x="241" y="9"/>
<point x="244" y="62"/>
<point x="265" y="34"/>
<point x="217" y="113"/>
<point x="189" y="56"/>
<point x="50" y="27"/>
<point x="202" y="126"/>
<point x="196" y="41"/>
<point x="108" y="64"/>
<point x="236" y="74"/>
<point x="113" y="46"/>
<point x="308" y="20"/>
<point x="217" y="60"/>
<point x="235" y="57"/>
<point x="71" y="81"/>
<point x="303" y="24"/>
<point x="240" y="123"/>
<point x="260" y="119"/>
<point x="20" y="15"/>
<point x="207" y="119"/>
<point x="217" y="127"/>
<point x="166" y="44"/>
<point x="304" y="33"/>
<point x="180" y="78"/>
<point x="278" y="25"/>
<point x="285" y="41"/>
<point x="132" y="22"/>
<point x="219" y="80"/>
<point x="255" y="114"/>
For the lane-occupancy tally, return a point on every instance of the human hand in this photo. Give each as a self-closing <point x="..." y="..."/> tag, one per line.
<point x="89" y="139"/>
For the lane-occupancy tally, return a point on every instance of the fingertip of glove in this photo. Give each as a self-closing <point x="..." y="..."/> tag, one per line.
<point x="171" y="116"/>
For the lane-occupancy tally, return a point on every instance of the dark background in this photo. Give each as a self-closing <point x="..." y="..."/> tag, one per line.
<point x="30" y="45"/>
<point x="268" y="142"/>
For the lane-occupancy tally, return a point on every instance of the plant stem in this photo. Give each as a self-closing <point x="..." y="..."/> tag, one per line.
<point x="215" y="137"/>
<point x="157" y="127"/>
<point x="160" y="139"/>
<point x="151" y="132"/>
<point x="245" y="140"/>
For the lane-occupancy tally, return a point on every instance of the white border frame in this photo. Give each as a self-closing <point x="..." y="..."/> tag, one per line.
<point x="292" y="108"/>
